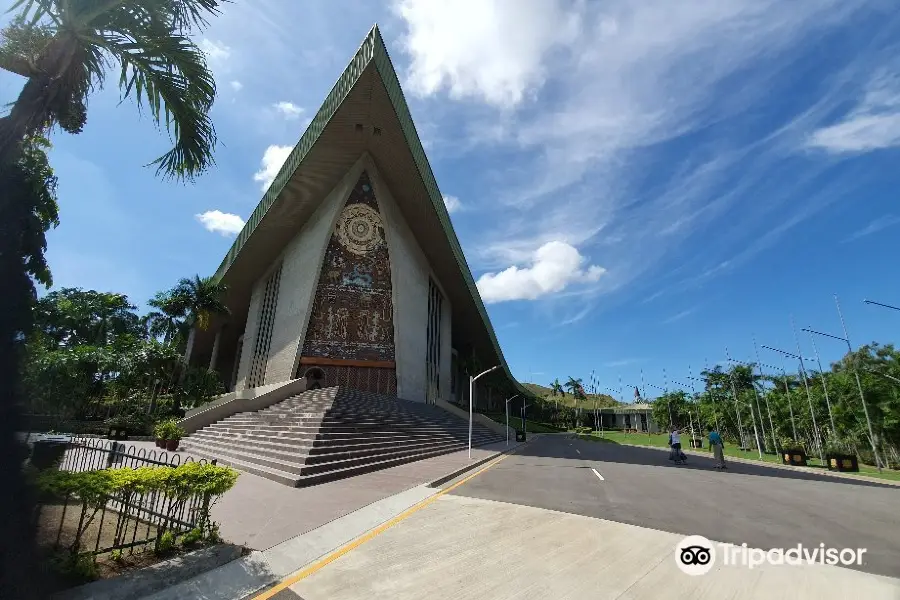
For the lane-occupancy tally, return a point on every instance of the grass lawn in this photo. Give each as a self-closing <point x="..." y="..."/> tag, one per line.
<point x="660" y="440"/>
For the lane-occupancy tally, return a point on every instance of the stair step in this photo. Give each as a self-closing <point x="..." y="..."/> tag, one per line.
<point x="333" y="433"/>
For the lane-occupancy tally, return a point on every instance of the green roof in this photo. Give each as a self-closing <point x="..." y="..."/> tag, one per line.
<point x="372" y="50"/>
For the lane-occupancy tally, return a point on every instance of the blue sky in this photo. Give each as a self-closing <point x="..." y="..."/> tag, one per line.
<point x="637" y="186"/>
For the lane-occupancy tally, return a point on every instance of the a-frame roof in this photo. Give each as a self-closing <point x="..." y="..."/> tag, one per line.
<point x="364" y="112"/>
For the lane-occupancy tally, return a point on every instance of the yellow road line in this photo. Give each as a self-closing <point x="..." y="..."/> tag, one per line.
<point x="304" y="573"/>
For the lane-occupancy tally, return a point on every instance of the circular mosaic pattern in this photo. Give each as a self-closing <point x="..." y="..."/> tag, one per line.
<point x="360" y="229"/>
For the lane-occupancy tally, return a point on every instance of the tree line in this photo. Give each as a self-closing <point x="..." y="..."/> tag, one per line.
<point x="90" y="355"/>
<point x="819" y="411"/>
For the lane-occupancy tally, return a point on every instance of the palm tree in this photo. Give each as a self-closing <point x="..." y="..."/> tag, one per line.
<point x="574" y="386"/>
<point x="191" y="303"/>
<point x="64" y="47"/>
<point x="557" y="389"/>
<point x="202" y="298"/>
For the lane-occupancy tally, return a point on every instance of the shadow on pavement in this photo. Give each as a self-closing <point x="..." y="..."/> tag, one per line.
<point x="609" y="451"/>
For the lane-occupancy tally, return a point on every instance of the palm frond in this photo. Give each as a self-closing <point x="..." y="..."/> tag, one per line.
<point x="169" y="73"/>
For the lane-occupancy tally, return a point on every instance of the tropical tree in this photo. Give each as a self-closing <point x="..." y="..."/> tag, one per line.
<point x="203" y="298"/>
<point x="63" y="48"/>
<point x="191" y="303"/>
<point x="556" y="388"/>
<point x="574" y="386"/>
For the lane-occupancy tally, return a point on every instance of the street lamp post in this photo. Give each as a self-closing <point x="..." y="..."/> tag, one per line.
<point x="824" y="385"/>
<point x="862" y="397"/>
<point x="816" y="438"/>
<point x="766" y="400"/>
<point x="878" y="304"/>
<point x="472" y="381"/>
<point x="752" y="416"/>
<point x="507" y="417"/>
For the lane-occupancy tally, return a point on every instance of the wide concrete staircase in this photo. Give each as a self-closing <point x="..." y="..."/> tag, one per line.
<point x="332" y="433"/>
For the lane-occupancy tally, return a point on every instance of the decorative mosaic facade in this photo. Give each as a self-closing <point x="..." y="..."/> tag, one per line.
<point x="352" y="317"/>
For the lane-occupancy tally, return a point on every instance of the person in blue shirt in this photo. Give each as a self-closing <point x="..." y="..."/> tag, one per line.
<point x="718" y="448"/>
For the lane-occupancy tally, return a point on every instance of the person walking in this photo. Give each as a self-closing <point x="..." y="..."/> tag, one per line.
<point x="718" y="448"/>
<point x="675" y="442"/>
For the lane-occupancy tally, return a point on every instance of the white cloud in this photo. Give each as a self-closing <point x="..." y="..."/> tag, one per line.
<point x="236" y="85"/>
<point x="488" y="50"/>
<point x="218" y="221"/>
<point x="614" y="84"/>
<point x="216" y="52"/>
<point x="452" y="203"/>
<point x="873" y="124"/>
<point x="554" y="266"/>
<point x="272" y="159"/>
<point x="288" y="109"/>
<point x="874" y="227"/>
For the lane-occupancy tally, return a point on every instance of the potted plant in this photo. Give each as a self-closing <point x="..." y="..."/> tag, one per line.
<point x="839" y="456"/>
<point x="159" y="432"/>
<point x="171" y="433"/>
<point x="793" y="452"/>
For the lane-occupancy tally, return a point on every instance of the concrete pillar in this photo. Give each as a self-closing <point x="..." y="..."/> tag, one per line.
<point x="189" y="347"/>
<point x="215" y="349"/>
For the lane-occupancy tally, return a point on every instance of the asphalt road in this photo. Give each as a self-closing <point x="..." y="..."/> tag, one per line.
<point x="761" y="506"/>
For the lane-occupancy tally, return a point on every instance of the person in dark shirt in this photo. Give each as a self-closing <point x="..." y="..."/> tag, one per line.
<point x="718" y="448"/>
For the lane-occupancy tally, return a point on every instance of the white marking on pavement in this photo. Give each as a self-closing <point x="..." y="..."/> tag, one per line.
<point x="599" y="476"/>
<point x="577" y="450"/>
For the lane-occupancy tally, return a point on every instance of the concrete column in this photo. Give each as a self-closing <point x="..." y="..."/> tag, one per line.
<point x="215" y="350"/>
<point x="189" y="347"/>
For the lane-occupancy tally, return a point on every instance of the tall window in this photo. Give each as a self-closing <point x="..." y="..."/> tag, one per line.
<point x="260" y="359"/>
<point x="433" y="344"/>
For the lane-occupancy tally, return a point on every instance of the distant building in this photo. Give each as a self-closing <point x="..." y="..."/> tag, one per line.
<point x="635" y="417"/>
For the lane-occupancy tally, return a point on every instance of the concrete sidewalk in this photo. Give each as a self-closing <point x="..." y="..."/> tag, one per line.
<point x="311" y="522"/>
<point x="468" y="548"/>
<point x="260" y="513"/>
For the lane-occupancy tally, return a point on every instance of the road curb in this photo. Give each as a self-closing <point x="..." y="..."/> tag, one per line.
<point x="450" y="476"/>
<point x="750" y="461"/>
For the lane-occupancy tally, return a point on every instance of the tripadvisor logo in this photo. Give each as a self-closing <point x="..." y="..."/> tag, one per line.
<point x="696" y="555"/>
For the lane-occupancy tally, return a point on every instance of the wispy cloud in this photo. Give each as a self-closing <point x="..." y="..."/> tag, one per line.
<point x="622" y="362"/>
<point x="874" y="227"/>
<point x="873" y="124"/>
<point x="594" y="103"/>
<point x="288" y="110"/>
<point x="679" y="316"/>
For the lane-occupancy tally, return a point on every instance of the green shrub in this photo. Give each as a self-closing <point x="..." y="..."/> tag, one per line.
<point x="838" y="446"/>
<point x="80" y="568"/>
<point x="165" y="543"/>
<point x="788" y="443"/>
<point x="178" y="484"/>
<point x="168" y="430"/>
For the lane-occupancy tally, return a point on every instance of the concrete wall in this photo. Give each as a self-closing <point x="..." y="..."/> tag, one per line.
<point x="245" y="400"/>
<point x="303" y="258"/>
<point x="409" y="279"/>
<point x="250" y="334"/>
<point x="446" y="344"/>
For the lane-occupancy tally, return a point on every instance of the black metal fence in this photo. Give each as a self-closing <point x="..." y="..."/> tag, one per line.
<point x="89" y="454"/>
<point x="123" y="521"/>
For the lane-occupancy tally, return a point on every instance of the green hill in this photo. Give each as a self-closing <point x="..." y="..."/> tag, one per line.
<point x="598" y="400"/>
